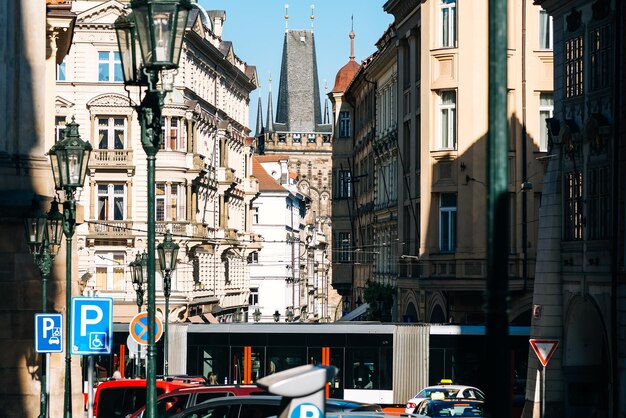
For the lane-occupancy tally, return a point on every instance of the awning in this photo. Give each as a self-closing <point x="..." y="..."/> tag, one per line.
<point x="355" y="313"/>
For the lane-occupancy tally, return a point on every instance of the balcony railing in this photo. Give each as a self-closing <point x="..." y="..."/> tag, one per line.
<point x="110" y="229"/>
<point x="111" y="158"/>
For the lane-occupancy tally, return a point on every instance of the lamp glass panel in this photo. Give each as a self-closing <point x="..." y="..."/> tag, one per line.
<point x="163" y="18"/>
<point x="86" y="153"/>
<point x="143" y="25"/>
<point x="74" y="169"/>
<point x="125" y="42"/>
<point x="35" y="232"/>
<point x="62" y="161"/>
<point x="55" y="234"/>
<point x="179" y="33"/>
<point x="54" y="162"/>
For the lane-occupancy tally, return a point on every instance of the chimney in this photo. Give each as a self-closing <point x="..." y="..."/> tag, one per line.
<point x="218" y="17"/>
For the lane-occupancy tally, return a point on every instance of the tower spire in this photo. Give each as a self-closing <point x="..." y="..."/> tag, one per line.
<point x="270" y="111"/>
<point x="286" y="17"/>
<point x="312" y="15"/>
<point x="259" y="120"/>
<point x="352" y="39"/>
<point x="326" y="114"/>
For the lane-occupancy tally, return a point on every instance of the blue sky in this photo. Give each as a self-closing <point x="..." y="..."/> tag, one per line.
<point x="257" y="28"/>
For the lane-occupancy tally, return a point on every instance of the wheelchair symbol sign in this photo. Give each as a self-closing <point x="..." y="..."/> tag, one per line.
<point x="92" y="325"/>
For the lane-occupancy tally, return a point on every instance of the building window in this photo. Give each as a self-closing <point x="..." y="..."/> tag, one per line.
<point x="574" y="67"/>
<point x="282" y="138"/>
<point x="344" y="184"/>
<point x="344" y="124"/>
<point x="174" y="139"/>
<point x="111" y="132"/>
<point x="253" y="298"/>
<point x="448" y="23"/>
<point x="109" y="66"/>
<point x="545" y="30"/>
<point x="573" y="219"/>
<point x="599" y="44"/>
<point x="62" y="71"/>
<point x="447" y="222"/>
<point x="311" y="138"/>
<point x="255" y="215"/>
<point x="111" y="202"/>
<point x="546" y="109"/>
<point x="447" y="120"/>
<point x="342" y="247"/>
<point x="170" y="202"/>
<point x="296" y="138"/>
<point x="253" y="257"/>
<point x="59" y="128"/>
<point x="598" y="203"/>
<point x="110" y="271"/>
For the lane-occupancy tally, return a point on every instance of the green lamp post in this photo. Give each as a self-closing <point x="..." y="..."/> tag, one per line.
<point x="168" y="252"/>
<point x="158" y="26"/>
<point x="69" y="158"/>
<point x="43" y="236"/>
<point x="139" y="276"/>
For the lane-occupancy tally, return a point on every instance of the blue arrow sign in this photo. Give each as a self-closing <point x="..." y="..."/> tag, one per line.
<point x="48" y="333"/>
<point x="92" y="325"/>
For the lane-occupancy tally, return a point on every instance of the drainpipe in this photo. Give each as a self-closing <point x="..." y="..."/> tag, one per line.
<point x="525" y="191"/>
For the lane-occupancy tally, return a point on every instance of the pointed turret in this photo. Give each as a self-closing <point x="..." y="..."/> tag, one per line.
<point x="347" y="72"/>
<point x="298" y="108"/>
<point x="259" y="120"/>
<point x="270" y="111"/>
<point x="326" y="114"/>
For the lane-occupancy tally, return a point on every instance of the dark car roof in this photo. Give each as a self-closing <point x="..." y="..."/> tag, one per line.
<point x="219" y="388"/>
<point x="332" y="405"/>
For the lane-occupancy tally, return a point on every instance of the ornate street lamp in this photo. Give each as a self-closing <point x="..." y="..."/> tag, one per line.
<point x="136" y="271"/>
<point x="69" y="158"/>
<point x="43" y="235"/>
<point x="303" y="314"/>
<point x="257" y="314"/>
<point x="289" y="315"/>
<point x="168" y="253"/>
<point x="159" y="27"/>
<point x="276" y="316"/>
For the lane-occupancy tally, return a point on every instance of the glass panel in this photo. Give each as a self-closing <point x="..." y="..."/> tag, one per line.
<point x="162" y="31"/>
<point x="103" y="66"/>
<point x="101" y="278"/>
<point x="118" y="272"/>
<point x="117" y="67"/>
<point x="119" y="132"/>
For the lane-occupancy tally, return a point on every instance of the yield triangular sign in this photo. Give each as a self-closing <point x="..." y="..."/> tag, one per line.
<point x="544" y="349"/>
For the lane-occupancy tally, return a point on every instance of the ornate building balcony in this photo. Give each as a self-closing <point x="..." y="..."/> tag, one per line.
<point x="105" y="229"/>
<point x="111" y="158"/>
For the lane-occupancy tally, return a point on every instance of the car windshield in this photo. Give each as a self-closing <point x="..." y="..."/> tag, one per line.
<point x="447" y="393"/>
<point x="446" y="409"/>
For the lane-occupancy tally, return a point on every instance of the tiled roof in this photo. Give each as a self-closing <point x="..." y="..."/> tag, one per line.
<point x="266" y="182"/>
<point x="344" y="76"/>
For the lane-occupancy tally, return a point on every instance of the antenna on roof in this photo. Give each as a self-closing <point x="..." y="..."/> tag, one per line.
<point x="312" y="15"/>
<point x="270" y="81"/>
<point x="352" y="39"/>
<point x="352" y="19"/>
<point x="286" y="17"/>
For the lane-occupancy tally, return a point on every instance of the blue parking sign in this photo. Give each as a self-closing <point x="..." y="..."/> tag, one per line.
<point x="48" y="333"/>
<point x="92" y="325"/>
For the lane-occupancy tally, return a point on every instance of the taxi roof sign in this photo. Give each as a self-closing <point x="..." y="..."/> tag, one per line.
<point x="544" y="349"/>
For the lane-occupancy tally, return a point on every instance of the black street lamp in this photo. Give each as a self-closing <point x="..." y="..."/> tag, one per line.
<point x="168" y="252"/>
<point x="158" y="26"/>
<point x="276" y="316"/>
<point x="289" y="315"/>
<point x="257" y="314"/>
<point x="43" y="235"/>
<point x="69" y="158"/>
<point x="137" y="268"/>
<point x="136" y="271"/>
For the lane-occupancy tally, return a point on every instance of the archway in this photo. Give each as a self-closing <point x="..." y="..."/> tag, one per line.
<point x="586" y="365"/>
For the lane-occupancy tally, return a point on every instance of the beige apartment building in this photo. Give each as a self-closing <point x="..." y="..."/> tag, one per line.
<point x="442" y="155"/>
<point x="414" y="213"/>
<point x="204" y="182"/>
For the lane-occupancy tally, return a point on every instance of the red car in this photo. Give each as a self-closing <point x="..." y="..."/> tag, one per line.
<point x="181" y="399"/>
<point x="120" y="398"/>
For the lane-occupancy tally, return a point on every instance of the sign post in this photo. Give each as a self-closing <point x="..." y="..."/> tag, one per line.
<point x="544" y="350"/>
<point x="138" y="328"/>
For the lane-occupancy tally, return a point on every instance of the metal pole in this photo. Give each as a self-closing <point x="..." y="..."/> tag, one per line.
<point x="68" y="313"/>
<point x="44" y="266"/>
<point x="149" y="112"/>
<point x="542" y="371"/>
<point x="166" y="291"/>
<point x="90" y="386"/>
<point x="69" y="223"/>
<point x="497" y="342"/>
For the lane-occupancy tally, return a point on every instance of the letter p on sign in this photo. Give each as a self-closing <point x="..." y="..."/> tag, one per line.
<point x="86" y="319"/>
